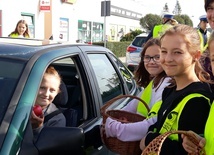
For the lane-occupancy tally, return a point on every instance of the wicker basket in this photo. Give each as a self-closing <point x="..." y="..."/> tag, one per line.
<point x="154" y="147"/>
<point x="114" y="144"/>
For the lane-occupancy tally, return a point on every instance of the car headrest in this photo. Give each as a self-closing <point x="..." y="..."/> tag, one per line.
<point x="62" y="97"/>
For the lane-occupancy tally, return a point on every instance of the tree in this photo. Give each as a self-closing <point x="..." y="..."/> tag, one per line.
<point x="187" y="20"/>
<point x="177" y="10"/>
<point x="166" y="8"/>
<point x="150" y="20"/>
<point x="131" y="35"/>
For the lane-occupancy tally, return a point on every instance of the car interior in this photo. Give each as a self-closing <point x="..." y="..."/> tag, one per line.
<point x="69" y="100"/>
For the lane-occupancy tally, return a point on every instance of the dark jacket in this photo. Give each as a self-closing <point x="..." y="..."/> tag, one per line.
<point x="193" y="117"/>
<point x="56" y="120"/>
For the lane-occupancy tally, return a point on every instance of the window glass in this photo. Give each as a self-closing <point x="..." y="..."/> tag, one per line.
<point x="125" y="73"/>
<point x="97" y="35"/>
<point x="84" y="31"/>
<point x="139" y="41"/>
<point x="8" y="82"/>
<point x="109" y="83"/>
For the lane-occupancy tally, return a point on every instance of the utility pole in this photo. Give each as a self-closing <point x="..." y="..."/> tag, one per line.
<point x="105" y="11"/>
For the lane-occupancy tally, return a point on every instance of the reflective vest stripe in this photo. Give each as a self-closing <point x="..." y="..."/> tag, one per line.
<point x="172" y="119"/>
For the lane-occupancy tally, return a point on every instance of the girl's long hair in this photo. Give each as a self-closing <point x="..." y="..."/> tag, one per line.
<point x="26" y="33"/>
<point x="141" y="75"/>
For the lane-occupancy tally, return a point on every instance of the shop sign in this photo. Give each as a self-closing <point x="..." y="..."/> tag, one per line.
<point x="45" y="5"/>
<point x="63" y="29"/>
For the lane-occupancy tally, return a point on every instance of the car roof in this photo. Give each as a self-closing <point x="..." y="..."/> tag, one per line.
<point x="26" y="48"/>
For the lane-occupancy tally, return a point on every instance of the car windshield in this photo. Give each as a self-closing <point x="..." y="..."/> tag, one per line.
<point x="9" y="74"/>
<point x="139" y="41"/>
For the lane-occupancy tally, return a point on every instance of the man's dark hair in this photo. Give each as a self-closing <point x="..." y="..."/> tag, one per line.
<point x="206" y="3"/>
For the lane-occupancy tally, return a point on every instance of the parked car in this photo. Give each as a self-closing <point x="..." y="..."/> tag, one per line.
<point x="133" y="51"/>
<point x="92" y="75"/>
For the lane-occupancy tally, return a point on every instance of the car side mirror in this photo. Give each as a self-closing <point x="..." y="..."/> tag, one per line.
<point x="60" y="140"/>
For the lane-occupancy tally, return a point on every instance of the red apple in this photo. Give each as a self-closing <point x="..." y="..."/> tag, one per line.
<point x="37" y="109"/>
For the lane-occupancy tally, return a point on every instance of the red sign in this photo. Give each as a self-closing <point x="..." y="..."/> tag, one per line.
<point x="45" y="5"/>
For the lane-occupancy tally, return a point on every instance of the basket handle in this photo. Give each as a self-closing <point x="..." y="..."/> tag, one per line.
<point x="105" y="106"/>
<point x="155" y="145"/>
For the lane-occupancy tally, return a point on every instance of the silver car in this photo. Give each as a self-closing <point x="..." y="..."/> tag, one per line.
<point x="133" y="51"/>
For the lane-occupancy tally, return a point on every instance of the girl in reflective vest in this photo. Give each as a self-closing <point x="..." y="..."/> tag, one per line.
<point x="206" y="140"/>
<point x="152" y="78"/>
<point x="186" y="103"/>
<point x="21" y="30"/>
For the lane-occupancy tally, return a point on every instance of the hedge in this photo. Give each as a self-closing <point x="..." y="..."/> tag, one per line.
<point x="118" y="48"/>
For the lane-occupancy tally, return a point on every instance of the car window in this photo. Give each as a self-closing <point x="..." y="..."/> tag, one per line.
<point x="9" y="76"/>
<point x="125" y="73"/>
<point x="69" y="70"/>
<point x="107" y="78"/>
<point x="139" y="41"/>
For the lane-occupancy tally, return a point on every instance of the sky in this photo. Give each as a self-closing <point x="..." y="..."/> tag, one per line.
<point x="193" y="8"/>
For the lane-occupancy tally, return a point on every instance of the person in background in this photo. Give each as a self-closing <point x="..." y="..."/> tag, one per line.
<point x="60" y="36"/>
<point x="204" y="35"/>
<point x="202" y="30"/>
<point x="157" y="30"/>
<point x="207" y="139"/>
<point x="151" y="76"/>
<point x="21" y="30"/>
<point x="48" y="90"/>
<point x="185" y="103"/>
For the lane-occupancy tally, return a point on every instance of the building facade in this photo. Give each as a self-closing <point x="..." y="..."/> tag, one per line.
<point x="70" y="20"/>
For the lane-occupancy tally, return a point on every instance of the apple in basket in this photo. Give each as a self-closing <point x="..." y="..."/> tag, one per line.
<point x="37" y="109"/>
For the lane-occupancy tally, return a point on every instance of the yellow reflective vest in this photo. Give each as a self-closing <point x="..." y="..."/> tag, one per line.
<point x="160" y="29"/>
<point x="155" y="108"/>
<point x="209" y="133"/>
<point x="172" y="119"/>
<point x="146" y="96"/>
<point x="16" y="35"/>
<point x="203" y="47"/>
